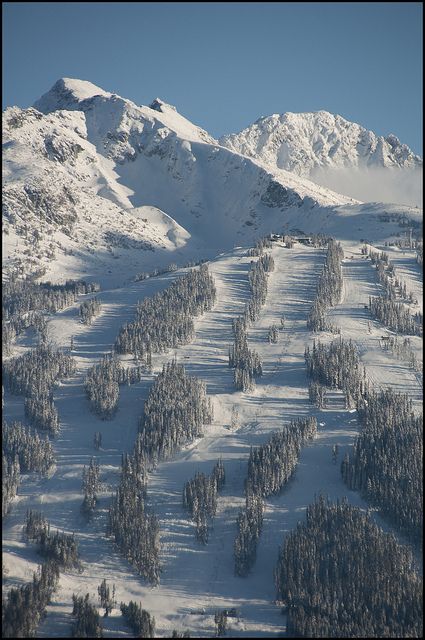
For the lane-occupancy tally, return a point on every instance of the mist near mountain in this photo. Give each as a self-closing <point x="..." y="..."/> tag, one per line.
<point x="374" y="184"/>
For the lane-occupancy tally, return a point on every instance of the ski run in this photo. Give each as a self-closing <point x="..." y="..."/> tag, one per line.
<point x="197" y="580"/>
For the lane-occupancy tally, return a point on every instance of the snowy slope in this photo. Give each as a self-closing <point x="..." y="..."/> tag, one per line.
<point x="63" y="209"/>
<point x="195" y="577"/>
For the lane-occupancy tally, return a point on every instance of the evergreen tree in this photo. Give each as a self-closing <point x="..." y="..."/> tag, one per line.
<point x="139" y="620"/>
<point x="90" y="487"/>
<point x="87" y="623"/>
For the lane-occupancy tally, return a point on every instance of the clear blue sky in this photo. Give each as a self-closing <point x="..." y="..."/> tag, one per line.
<point x="225" y="64"/>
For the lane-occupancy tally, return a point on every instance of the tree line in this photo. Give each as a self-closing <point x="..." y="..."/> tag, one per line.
<point x="102" y="384"/>
<point x="165" y="320"/>
<point x="135" y="528"/>
<point x="88" y="310"/>
<point x="245" y="361"/>
<point x="174" y="412"/>
<point x="249" y="526"/>
<point x="270" y="467"/>
<point x="23" y="295"/>
<point x="90" y="487"/>
<point x="386" y="462"/>
<point x="336" y="365"/>
<point x="393" y="286"/>
<point x="402" y="350"/>
<point x="395" y="316"/>
<point x="24" y="607"/>
<point x="87" y="619"/>
<point x="389" y="308"/>
<point x="328" y="289"/>
<point x="145" y="275"/>
<point x="11" y="478"/>
<point x="339" y="575"/>
<point x="60" y="547"/>
<point x="24" y="301"/>
<point x="23" y="451"/>
<point x="317" y="394"/>
<point x="33" y="375"/>
<point x="138" y="619"/>
<point x="258" y="277"/>
<point x="33" y="452"/>
<point x="260" y="245"/>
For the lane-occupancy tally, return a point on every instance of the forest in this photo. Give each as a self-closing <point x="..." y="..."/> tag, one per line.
<point x="245" y="361"/>
<point x="24" y="301"/>
<point x="88" y="310"/>
<point x="33" y="375"/>
<point x="23" y="451"/>
<point x="60" y="547"/>
<point x="386" y="464"/>
<point x="24" y="607"/>
<point x="140" y="621"/>
<point x="339" y="575"/>
<point x="102" y="384"/>
<point x="328" y="289"/>
<point x="391" y="308"/>
<point x="87" y="619"/>
<point x="134" y="527"/>
<point x="90" y="487"/>
<point x="396" y="316"/>
<point x="336" y="365"/>
<point x="174" y="412"/>
<point x="270" y="467"/>
<point x="165" y="320"/>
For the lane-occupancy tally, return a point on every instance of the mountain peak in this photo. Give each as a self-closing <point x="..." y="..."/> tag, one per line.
<point x="66" y="93"/>
<point x="161" y="106"/>
<point x="306" y="142"/>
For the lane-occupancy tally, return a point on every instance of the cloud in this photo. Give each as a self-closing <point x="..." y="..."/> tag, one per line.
<point x="375" y="184"/>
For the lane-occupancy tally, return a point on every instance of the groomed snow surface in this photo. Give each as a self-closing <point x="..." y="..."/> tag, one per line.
<point x="195" y="577"/>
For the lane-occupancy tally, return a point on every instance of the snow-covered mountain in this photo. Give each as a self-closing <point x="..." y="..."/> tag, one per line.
<point x="334" y="153"/>
<point x="304" y="142"/>
<point x="84" y="166"/>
